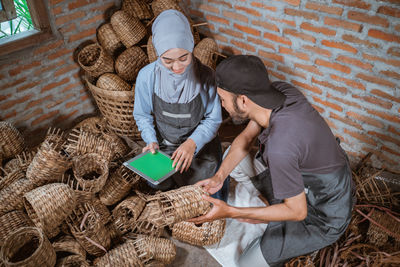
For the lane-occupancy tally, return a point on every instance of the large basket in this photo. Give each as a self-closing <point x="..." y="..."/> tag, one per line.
<point x="108" y="39"/>
<point x="69" y="244"/>
<point x="117" y="108"/>
<point x="12" y="221"/>
<point x="95" y="61"/>
<point x="123" y="255"/>
<point x="127" y="212"/>
<point x="11" y="141"/>
<point x="206" y="234"/>
<point x="49" y="205"/>
<point x="159" y="249"/>
<point x="28" y="247"/>
<point x="11" y="197"/>
<point x="205" y="51"/>
<point x="129" y="63"/>
<point x="137" y="8"/>
<point x="128" y="28"/>
<point x="112" y="82"/>
<point x="72" y="260"/>
<point x="151" y="51"/>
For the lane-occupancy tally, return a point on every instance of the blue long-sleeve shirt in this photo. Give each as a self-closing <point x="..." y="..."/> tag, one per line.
<point x="143" y="110"/>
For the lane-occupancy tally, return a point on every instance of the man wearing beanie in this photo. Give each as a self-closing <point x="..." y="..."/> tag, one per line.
<point x="300" y="168"/>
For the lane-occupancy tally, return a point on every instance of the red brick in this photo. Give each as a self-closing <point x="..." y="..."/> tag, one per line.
<point x="220" y="38"/>
<point x="391" y="151"/>
<point x="300" y="35"/>
<point x="71" y="104"/>
<point x="307" y="86"/>
<point x="349" y="82"/>
<point x="268" y="64"/>
<point x="235" y="16"/>
<point x="38" y="101"/>
<point x="49" y="67"/>
<point x="391" y="74"/>
<point x="330" y="124"/>
<point x="48" y="47"/>
<point x="289" y="51"/>
<point x="344" y="101"/>
<point x="9" y="115"/>
<point x="353" y="39"/>
<point x="309" y="27"/>
<point x="103" y="7"/>
<point x="93" y="19"/>
<point x="317" y="50"/>
<point x="20" y="69"/>
<point x="308" y="68"/>
<point x="342" y="90"/>
<point x="63" y="118"/>
<point x="384" y="36"/>
<point x="276" y="38"/>
<point x="79" y="3"/>
<point x="28" y="86"/>
<point x="249" y="11"/>
<point x="280" y="76"/>
<point x="69" y="18"/>
<point x="292" y="72"/>
<point x="291" y="2"/>
<point x="345" y="120"/>
<point x="324" y="8"/>
<point x="13" y="83"/>
<point x="217" y="19"/>
<point x="66" y="69"/>
<point x="394" y="130"/>
<point x="247" y="29"/>
<point x="355" y="62"/>
<point x="397" y="28"/>
<point x="195" y="13"/>
<point x="84" y="97"/>
<point x="376" y="80"/>
<point x="44" y="117"/>
<point x="299" y="13"/>
<point x="4" y="97"/>
<point x="261" y="42"/>
<point x="54" y="84"/>
<point x="59" y="101"/>
<point x="67" y="28"/>
<point x="263" y="6"/>
<point x="273" y="56"/>
<point x="82" y="34"/>
<point x="385" y="137"/>
<point x="11" y="103"/>
<point x="60" y="53"/>
<point x="224" y="3"/>
<point x="390" y="11"/>
<point x="57" y="11"/>
<point x="353" y="3"/>
<point x="376" y="20"/>
<point x="392" y="62"/>
<point x="244" y="46"/>
<point x="375" y="101"/>
<point x="318" y="108"/>
<point x="328" y="104"/>
<point x="362" y="137"/>
<point x="70" y="86"/>
<point x="343" y="24"/>
<point x="334" y="66"/>
<point x="231" y="32"/>
<point x="266" y="25"/>
<point x="385" y="115"/>
<point x="208" y="8"/>
<point x="385" y="95"/>
<point x="288" y="22"/>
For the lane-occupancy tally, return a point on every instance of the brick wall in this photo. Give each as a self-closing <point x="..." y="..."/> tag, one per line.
<point x="344" y="55"/>
<point x="41" y="86"/>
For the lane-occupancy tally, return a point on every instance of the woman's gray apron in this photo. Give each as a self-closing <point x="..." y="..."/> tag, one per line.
<point x="329" y="201"/>
<point x="175" y="122"/>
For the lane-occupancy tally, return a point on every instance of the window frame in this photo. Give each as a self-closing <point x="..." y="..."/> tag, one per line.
<point x="8" y="11"/>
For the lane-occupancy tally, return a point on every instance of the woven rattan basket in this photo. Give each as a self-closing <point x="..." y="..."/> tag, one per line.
<point x="208" y="233"/>
<point x="159" y="6"/>
<point x="49" y="205"/>
<point x="11" y="141"/>
<point x="11" y="197"/>
<point x="159" y="249"/>
<point x="137" y="8"/>
<point x="95" y="124"/>
<point x="128" y="28"/>
<point x="128" y="64"/>
<point x="28" y="247"/>
<point x="95" y="61"/>
<point x="21" y="162"/>
<point x="112" y="82"/>
<point x="117" y="108"/>
<point x="11" y="177"/>
<point x="151" y="51"/>
<point x="72" y="260"/>
<point x="205" y="51"/>
<point x="101" y="209"/>
<point x="68" y="244"/>
<point x="123" y="255"/>
<point x="108" y="39"/>
<point x="12" y="221"/>
<point x="127" y="212"/>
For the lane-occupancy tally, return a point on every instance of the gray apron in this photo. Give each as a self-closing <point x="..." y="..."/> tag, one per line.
<point x="175" y="122"/>
<point x="329" y="201"/>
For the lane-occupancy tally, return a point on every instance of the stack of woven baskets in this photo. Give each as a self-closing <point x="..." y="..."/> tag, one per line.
<point x="113" y="62"/>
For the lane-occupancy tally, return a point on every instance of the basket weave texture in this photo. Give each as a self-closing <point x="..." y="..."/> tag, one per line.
<point x="12" y="221"/>
<point x="137" y="8"/>
<point x="11" y="140"/>
<point x="68" y="244"/>
<point x="123" y="255"/>
<point x="95" y="61"/>
<point x="129" y="63"/>
<point x="11" y="197"/>
<point x="11" y="177"/>
<point x="72" y="260"/>
<point x="159" y="249"/>
<point x="128" y="28"/>
<point x="159" y="6"/>
<point x="108" y="39"/>
<point x="205" y="52"/>
<point x="112" y="82"/>
<point x="151" y="51"/>
<point x="127" y="212"/>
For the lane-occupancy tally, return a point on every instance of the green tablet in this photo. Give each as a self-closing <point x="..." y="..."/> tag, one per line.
<point x="155" y="168"/>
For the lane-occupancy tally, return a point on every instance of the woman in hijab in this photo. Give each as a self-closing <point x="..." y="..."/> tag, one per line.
<point x="176" y="108"/>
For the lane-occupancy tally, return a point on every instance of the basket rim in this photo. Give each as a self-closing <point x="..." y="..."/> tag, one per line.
<point x="109" y="93"/>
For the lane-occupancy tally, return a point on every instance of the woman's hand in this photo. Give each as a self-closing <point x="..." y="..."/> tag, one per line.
<point x="183" y="155"/>
<point x="152" y="147"/>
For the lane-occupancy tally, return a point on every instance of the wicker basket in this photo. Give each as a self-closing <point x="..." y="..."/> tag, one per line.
<point x="28" y="247"/>
<point x="101" y="209"/>
<point x="159" y="249"/>
<point x="72" y="260"/>
<point x="108" y="39"/>
<point x="91" y="171"/>
<point x="151" y="51"/>
<point x="11" y="197"/>
<point x="49" y="205"/>
<point x="137" y="8"/>
<point x="127" y="212"/>
<point x="159" y="6"/>
<point x="208" y="233"/>
<point x="21" y="162"/>
<point x="112" y="82"/>
<point x="12" y="221"/>
<point x="117" y="108"/>
<point x="129" y="63"/>
<point x="123" y="255"/>
<point x="128" y="29"/>
<point x="11" y="141"/>
<point x="205" y="51"/>
<point x="11" y="177"/>
<point x="95" y="61"/>
<point x="95" y="124"/>
<point x="68" y="244"/>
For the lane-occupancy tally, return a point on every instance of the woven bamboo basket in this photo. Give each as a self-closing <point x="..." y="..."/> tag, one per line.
<point x="108" y="39"/>
<point x="151" y="51"/>
<point x="388" y="224"/>
<point x="83" y="194"/>
<point x="160" y="249"/>
<point x="117" y="108"/>
<point x="129" y="63"/>
<point x="208" y="233"/>
<point x="159" y="6"/>
<point x="11" y="140"/>
<point x="49" y="205"/>
<point x="127" y="212"/>
<point x="21" y="162"/>
<point x="72" y="260"/>
<point x="112" y="82"/>
<point x="128" y="28"/>
<point x="137" y="8"/>
<point x="11" y="197"/>
<point x="95" y="61"/>
<point x="205" y="51"/>
<point x="88" y="229"/>
<point x="101" y="209"/>
<point x="55" y="137"/>
<point x="115" y="234"/>
<point x="12" y="221"/>
<point x="95" y="124"/>
<point x="68" y="244"/>
<point x="150" y="221"/>
<point x="28" y="247"/>
<point x="11" y="177"/>
<point x="123" y="255"/>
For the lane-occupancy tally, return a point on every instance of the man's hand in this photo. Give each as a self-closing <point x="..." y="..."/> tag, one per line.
<point x="183" y="155"/>
<point x="220" y="210"/>
<point x="211" y="185"/>
<point x="152" y="147"/>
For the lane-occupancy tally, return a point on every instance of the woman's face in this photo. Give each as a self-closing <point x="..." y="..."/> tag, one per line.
<point x="176" y="59"/>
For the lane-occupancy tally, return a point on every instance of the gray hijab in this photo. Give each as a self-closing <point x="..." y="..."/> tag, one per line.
<point x="171" y="29"/>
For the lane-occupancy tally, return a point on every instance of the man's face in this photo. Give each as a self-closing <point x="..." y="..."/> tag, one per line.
<point x="229" y="102"/>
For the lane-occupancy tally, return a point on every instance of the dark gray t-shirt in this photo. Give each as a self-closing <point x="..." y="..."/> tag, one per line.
<point x="297" y="141"/>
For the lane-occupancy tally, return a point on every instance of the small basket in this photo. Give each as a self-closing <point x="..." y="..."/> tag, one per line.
<point x="112" y="82"/>
<point x="108" y="39"/>
<point x="68" y="244"/>
<point x="95" y="61"/>
<point x="128" y="28"/>
<point x="151" y="51"/>
<point x="11" y="197"/>
<point x="95" y="124"/>
<point x="159" y="6"/>
<point x="137" y="8"/>
<point x="11" y="177"/>
<point x="21" y="162"/>
<point x="101" y="209"/>
<point x="11" y="141"/>
<point x="127" y="212"/>
<point x="208" y="233"/>
<point x="28" y="247"/>
<point x="49" y="205"/>
<point x="205" y="51"/>
<point x="72" y="260"/>
<point x="122" y="255"/>
<point x="129" y="63"/>
<point x="12" y="221"/>
<point x="159" y="249"/>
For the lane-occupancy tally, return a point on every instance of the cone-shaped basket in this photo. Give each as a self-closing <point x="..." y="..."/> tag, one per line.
<point x="112" y="82"/>
<point x="11" y="141"/>
<point x="127" y="212"/>
<point x="11" y="197"/>
<point x="128" y="28"/>
<point x="159" y="6"/>
<point x="160" y="249"/>
<point x="108" y="39"/>
<point x="205" y="51"/>
<point x="137" y="8"/>
<point x="12" y="221"/>
<point x="130" y="62"/>
<point x="95" y="61"/>
<point x="123" y="255"/>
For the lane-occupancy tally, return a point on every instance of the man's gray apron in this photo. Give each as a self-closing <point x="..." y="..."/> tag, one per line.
<point x="329" y="201"/>
<point x="175" y="122"/>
